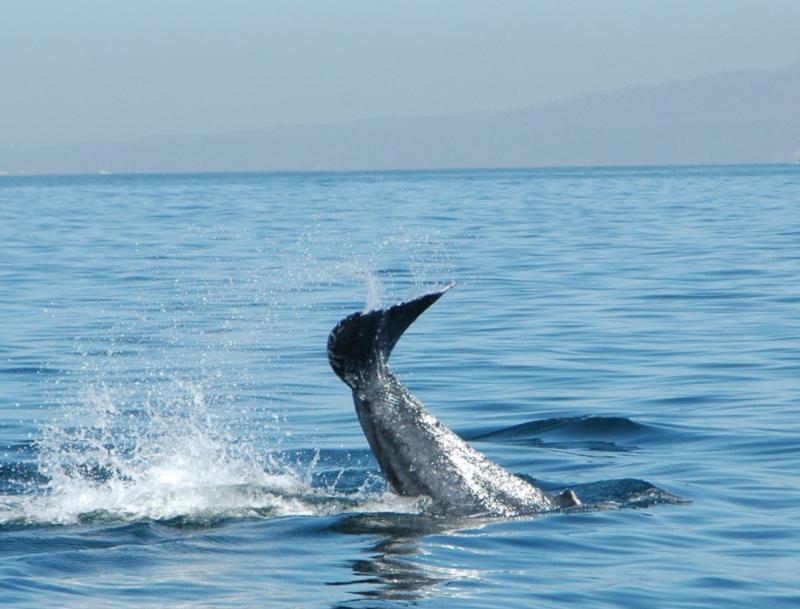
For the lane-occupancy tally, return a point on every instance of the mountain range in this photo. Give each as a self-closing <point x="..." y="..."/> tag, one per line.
<point x="747" y="116"/>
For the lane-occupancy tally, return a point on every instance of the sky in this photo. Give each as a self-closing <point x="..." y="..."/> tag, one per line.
<point x="95" y="70"/>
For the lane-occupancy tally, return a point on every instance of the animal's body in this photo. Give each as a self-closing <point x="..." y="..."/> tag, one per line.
<point x="418" y="454"/>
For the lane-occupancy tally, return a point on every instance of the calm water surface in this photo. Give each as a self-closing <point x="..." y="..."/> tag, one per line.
<point x="171" y="434"/>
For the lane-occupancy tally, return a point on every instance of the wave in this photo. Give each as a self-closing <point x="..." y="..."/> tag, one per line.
<point x="602" y="433"/>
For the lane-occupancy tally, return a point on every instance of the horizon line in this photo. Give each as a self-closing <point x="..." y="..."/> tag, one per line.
<point x="111" y="174"/>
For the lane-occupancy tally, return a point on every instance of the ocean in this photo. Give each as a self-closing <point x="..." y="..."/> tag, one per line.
<point x="171" y="434"/>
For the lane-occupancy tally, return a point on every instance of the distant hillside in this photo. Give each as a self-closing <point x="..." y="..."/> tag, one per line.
<point x="748" y="116"/>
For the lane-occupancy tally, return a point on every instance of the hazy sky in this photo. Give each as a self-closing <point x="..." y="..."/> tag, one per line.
<point x="82" y="70"/>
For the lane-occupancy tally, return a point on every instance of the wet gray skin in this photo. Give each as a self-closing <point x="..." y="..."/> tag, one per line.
<point x="419" y="455"/>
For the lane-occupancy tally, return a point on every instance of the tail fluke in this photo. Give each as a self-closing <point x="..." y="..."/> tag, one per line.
<point x="360" y="340"/>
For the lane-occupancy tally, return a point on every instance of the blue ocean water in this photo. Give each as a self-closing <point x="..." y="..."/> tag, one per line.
<point x="171" y="433"/>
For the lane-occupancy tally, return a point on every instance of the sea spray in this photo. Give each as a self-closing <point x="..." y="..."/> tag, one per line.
<point x="154" y="459"/>
<point x="373" y="301"/>
<point x="172" y="459"/>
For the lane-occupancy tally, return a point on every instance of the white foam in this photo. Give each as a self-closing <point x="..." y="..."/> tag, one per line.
<point x="154" y="464"/>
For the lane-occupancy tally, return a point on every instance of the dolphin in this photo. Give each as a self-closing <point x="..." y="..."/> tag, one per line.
<point x="418" y="454"/>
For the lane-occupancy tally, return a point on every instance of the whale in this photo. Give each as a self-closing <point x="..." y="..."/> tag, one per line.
<point x="418" y="455"/>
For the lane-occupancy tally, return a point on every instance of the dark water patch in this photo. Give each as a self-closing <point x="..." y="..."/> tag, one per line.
<point x="86" y="536"/>
<point x="41" y="370"/>
<point x="134" y="278"/>
<point x="728" y="273"/>
<point x="584" y="432"/>
<point x="786" y="299"/>
<point x="22" y="450"/>
<point x="703" y="295"/>
<point x="19" y="588"/>
<point x="110" y="352"/>
<point x="689" y="400"/>
<point x="627" y="493"/>
<point x="17" y="478"/>
<point x="723" y="365"/>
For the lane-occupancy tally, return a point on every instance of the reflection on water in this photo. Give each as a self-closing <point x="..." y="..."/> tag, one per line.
<point x="392" y="570"/>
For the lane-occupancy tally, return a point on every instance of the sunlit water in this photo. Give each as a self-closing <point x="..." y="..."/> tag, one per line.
<point x="171" y="433"/>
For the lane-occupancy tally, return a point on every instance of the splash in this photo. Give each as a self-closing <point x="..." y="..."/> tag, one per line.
<point x="169" y="460"/>
<point x="149" y="439"/>
<point x="373" y="293"/>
